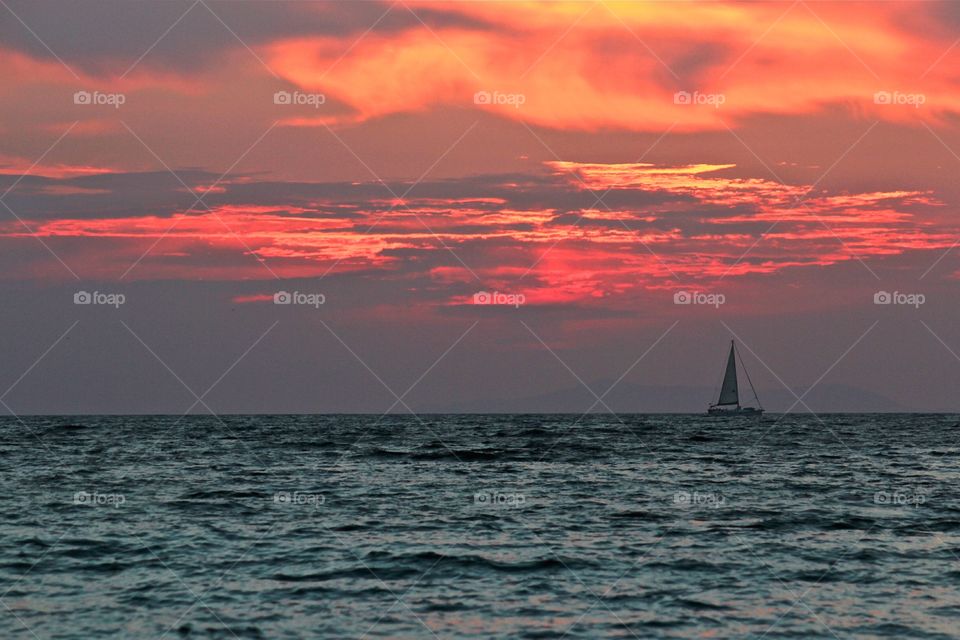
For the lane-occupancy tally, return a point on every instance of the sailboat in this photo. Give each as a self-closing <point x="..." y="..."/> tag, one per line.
<point x="728" y="404"/>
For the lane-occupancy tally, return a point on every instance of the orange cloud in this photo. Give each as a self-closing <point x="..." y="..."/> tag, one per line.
<point x="590" y="66"/>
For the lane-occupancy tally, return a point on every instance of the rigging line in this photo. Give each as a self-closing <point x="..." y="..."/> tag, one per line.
<point x="755" y="397"/>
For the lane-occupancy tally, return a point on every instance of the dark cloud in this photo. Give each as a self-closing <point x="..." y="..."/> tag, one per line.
<point x="110" y="195"/>
<point x="160" y="193"/>
<point x="107" y="36"/>
<point x="944" y="14"/>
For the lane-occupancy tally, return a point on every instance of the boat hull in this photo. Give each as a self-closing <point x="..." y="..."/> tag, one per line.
<point x="739" y="411"/>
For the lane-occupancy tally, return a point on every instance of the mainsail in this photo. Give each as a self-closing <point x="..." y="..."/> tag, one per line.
<point x="728" y="392"/>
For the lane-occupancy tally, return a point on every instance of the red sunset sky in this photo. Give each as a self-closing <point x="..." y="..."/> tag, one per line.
<point x="594" y="158"/>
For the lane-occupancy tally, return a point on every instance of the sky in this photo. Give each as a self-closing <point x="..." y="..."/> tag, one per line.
<point x="221" y="207"/>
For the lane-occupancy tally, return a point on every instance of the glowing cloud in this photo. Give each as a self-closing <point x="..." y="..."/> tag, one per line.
<point x="686" y="223"/>
<point x="635" y="66"/>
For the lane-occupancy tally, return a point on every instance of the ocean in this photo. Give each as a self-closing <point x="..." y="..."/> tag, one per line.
<point x="480" y="526"/>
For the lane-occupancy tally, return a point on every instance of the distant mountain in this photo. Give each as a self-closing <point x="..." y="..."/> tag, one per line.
<point x="677" y="399"/>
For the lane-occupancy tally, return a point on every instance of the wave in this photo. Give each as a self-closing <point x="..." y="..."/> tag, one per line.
<point x="66" y="428"/>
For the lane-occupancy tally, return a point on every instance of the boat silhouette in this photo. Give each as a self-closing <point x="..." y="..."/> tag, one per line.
<point x="728" y="404"/>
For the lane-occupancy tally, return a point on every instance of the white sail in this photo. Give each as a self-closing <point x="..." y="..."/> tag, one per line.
<point x="729" y="393"/>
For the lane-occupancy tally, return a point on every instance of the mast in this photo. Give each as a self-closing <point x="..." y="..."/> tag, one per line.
<point x="729" y="394"/>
